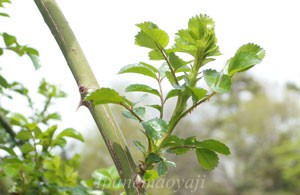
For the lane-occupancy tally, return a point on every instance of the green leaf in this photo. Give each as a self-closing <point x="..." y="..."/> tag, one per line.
<point x="219" y="83"/>
<point x="149" y="66"/>
<point x="106" y="96"/>
<point x="12" y="170"/>
<point x="23" y="135"/>
<point x="173" y="141"/>
<point x="48" y="90"/>
<point x="9" y="40"/>
<point x="47" y="136"/>
<point x="53" y="116"/>
<point x="140" y="111"/>
<point x="27" y="147"/>
<point x="4" y="14"/>
<point x="8" y="150"/>
<point x="61" y="142"/>
<point x="155" y="128"/>
<point x="214" y="145"/>
<point x="175" y="61"/>
<point x="190" y="141"/>
<point x="142" y="68"/>
<point x="18" y="119"/>
<point x="162" y="168"/>
<point x="153" y="158"/>
<point x="208" y="159"/>
<point x="170" y="78"/>
<point x="35" y="60"/>
<point x="172" y="93"/>
<point x="151" y="36"/>
<point x="156" y="106"/>
<point x="175" y="145"/>
<point x="198" y="93"/>
<point x="183" y="69"/>
<point x="142" y="88"/>
<point x="199" y="39"/>
<point x="179" y="151"/>
<point x="37" y="131"/>
<point x="245" y="58"/>
<point x="156" y="55"/>
<point x="3" y="82"/>
<point x="4" y="1"/>
<point x="151" y="175"/>
<point x="140" y="146"/>
<point x="70" y="132"/>
<point x="50" y="131"/>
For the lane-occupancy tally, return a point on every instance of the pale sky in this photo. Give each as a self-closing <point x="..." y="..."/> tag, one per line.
<point x="106" y="31"/>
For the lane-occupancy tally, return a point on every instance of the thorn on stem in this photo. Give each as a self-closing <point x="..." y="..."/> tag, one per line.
<point x="83" y="92"/>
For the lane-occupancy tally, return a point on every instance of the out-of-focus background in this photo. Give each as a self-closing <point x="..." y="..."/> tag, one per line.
<point x="259" y="120"/>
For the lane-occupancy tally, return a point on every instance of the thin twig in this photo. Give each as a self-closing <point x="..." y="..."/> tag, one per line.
<point x="161" y="96"/>
<point x="195" y="105"/>
<point x="130" y="109"/>
<point x="163" y="52"/>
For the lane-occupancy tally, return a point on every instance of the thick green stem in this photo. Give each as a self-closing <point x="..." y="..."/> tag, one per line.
<point x="86" y="80"/>
<point x="180" y="107"/>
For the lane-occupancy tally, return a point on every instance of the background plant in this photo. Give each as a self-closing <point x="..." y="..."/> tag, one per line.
<point x="27" y="140"/>
<point x="30" y="163"/>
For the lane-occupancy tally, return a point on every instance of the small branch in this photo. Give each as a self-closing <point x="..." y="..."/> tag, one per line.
<point x="46" y="105"/>
<point x="177" y="147"/>
<point x="163" y="52"/>
<point x="161" y="96"/>
<point x="195" y="105"/>
<point x="176" y="118"/>
<point x="132" y="112"/>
